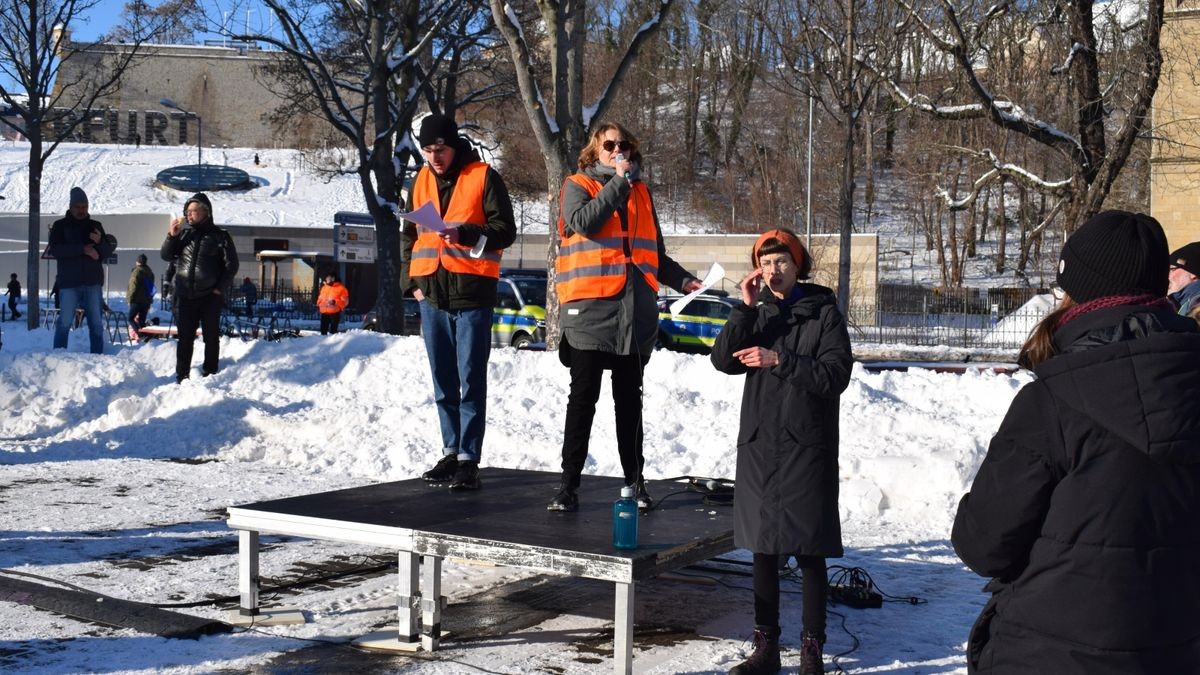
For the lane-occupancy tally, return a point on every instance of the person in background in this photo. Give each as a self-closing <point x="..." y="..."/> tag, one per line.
<point x="1084" y="511"/>
<point x="14" y="294"/>
<point x="333" y="299"/>
<point x="453" y="273"/>
<point x="140" y="293"/>
<point x="791" y="342"/>
<point x="1183" y="280"/>
<point x="206" y="262"/>
<point x="611" y="260"/>
<point x="80" y="246"/>
<point x="250" y="295"/>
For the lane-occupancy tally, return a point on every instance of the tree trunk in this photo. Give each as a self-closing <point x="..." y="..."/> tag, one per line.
<point x="32" y="283"/>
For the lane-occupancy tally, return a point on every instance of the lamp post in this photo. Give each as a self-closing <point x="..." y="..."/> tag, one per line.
<point x="168" y="103"/>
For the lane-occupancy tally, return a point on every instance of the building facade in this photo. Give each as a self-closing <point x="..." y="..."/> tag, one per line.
<point x="1175" y="154"/>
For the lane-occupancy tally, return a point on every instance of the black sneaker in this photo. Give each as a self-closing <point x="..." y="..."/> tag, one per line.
<point x="443" y="471"/>
<point x="644" y="502"/>
<point x="466" y="477"/>
<point x="565" y="500"/>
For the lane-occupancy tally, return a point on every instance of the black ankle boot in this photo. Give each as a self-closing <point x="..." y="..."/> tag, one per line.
<point x="811" y="661"/>
<point x="765" y="659"/>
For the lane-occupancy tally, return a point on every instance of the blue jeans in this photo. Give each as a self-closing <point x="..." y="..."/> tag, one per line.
<point x="88" y="299"/>
<point x="458" y="343"/>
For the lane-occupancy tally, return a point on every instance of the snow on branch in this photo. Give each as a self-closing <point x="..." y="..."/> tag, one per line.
<point x="1001" y="169"/>
<point x="1076" y="48"/>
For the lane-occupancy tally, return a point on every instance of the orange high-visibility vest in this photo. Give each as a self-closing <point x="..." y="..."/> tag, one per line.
<point x="466" y="206"/>
<point x="594" y="267"/>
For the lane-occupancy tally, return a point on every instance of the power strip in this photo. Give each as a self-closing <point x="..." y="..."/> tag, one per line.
<point x="855" y="595"/>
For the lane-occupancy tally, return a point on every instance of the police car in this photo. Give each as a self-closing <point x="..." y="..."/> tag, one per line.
<point x="519" y="318"/>
<point x="695" y="330"/>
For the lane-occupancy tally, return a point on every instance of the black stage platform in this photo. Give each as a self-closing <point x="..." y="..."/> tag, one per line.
<point x="505" y="522"/>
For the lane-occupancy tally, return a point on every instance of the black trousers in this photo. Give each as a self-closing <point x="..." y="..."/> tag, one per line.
<point x="329" y="322"/>
<point x="814" y="588"/>
<point x="587" y="371"/>
<point x="203" y="312"/>
<point x="138" y="312"/>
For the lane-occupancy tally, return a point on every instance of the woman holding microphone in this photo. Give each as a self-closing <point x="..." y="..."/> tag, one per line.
<point x="610" y="262"/>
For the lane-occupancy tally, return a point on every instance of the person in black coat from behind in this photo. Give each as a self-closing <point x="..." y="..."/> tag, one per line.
<point x="205" y="263"/>
<point x="791" y="342"/>
<point x="1085" y="512"/>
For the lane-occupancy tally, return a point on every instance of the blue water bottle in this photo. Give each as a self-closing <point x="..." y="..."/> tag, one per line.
<point x="625" y="519"/>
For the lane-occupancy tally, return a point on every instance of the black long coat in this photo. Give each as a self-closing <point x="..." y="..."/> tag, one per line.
<point x="786" y="496"/>
<point x="1086" y="509"/>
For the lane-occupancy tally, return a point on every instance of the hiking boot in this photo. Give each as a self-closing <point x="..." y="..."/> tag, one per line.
<point x="811" y="662"/>
<point x="443" y="470"/>
<point x="644" y="502"/>
<point x="466" y="477"/>
<point x="765" y="659"/>
<point x="565" y="500"/>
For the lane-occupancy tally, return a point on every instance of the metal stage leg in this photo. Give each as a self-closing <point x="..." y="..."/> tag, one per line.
<point x="431" y="601"/>
<point x="623" y="630"/>
<point x="248" y="612"/>
<point x="248" y="571"/>
<point x="410" y="597"/>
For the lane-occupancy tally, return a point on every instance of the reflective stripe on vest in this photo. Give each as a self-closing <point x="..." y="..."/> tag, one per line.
<point x="596" y="266"/>
<point x="466" y="206"/>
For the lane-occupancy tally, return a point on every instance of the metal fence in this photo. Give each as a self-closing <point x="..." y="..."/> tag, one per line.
<point x="997" y="318"/>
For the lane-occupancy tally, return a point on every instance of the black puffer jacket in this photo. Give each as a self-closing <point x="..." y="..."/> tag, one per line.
<point x="786" y="499"/>
<point x="1086" y="509"/>
<point x="205" y="259"/>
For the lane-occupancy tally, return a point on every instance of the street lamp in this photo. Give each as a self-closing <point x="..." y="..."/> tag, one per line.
<point x="168" y="103"/>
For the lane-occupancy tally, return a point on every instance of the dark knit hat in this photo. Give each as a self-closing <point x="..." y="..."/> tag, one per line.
<point x="78" y="196"/>
<point x="1188" y="257"/>
<point x="1114" y="253"/>
<point x="437" y="130"/>
<point x="202" y="199"/>
<point x="142" y="259"/>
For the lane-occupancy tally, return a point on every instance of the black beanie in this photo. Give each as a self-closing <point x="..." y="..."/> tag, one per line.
<point x="437" y="130"/>
<point x="1188" y="257"/>
<point x="78" y="196"/>
<point x="1114" y="253"/>
<point x="202" y="199"/>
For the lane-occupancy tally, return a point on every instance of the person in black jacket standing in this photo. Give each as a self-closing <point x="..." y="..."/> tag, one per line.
<point x="1085" y="510"/>
<point x="80" y="246"/>
<point x="791" y="342"/>
<point x="205" y="264"/>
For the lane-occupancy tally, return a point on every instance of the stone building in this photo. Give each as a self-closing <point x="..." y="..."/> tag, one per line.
<point x="223" y="84"/>
<point x="1175" y="154"/>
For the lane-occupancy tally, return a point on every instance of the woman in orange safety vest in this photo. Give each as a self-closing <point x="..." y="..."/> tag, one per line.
<point x="610" y="262"/>
<point x="333" y="299"/>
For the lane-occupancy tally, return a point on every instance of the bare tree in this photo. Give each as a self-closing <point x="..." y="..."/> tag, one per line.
<point x="1092" y="127"/>
<point x="172" y="21"/>
<point x="557" y="33"/>
<point x="46" y="106"/>
<point x="822" y="46"/>
<point x="362" y="63"/>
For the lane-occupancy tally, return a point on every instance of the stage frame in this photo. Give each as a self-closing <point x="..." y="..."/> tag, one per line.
<point x="504" y="523"/>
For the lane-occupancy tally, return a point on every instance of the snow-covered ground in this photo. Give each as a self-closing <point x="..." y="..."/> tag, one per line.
<point x="115" y="479"/>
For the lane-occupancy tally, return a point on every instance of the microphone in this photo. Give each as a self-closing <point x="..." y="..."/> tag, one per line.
<point x="620" y="157"/>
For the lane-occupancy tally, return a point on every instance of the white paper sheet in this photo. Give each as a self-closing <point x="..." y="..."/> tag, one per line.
<point x="715" y="274"/>
<point x="426" y="216"/>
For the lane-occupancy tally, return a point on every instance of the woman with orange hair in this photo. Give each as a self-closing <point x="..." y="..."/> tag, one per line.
<point x="791" y="342"/>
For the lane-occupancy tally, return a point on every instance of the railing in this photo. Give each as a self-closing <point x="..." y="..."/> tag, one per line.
<point x="970" y="318"/>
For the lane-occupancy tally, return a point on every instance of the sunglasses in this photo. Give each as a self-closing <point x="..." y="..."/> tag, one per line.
<point x="623" y="146"/>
